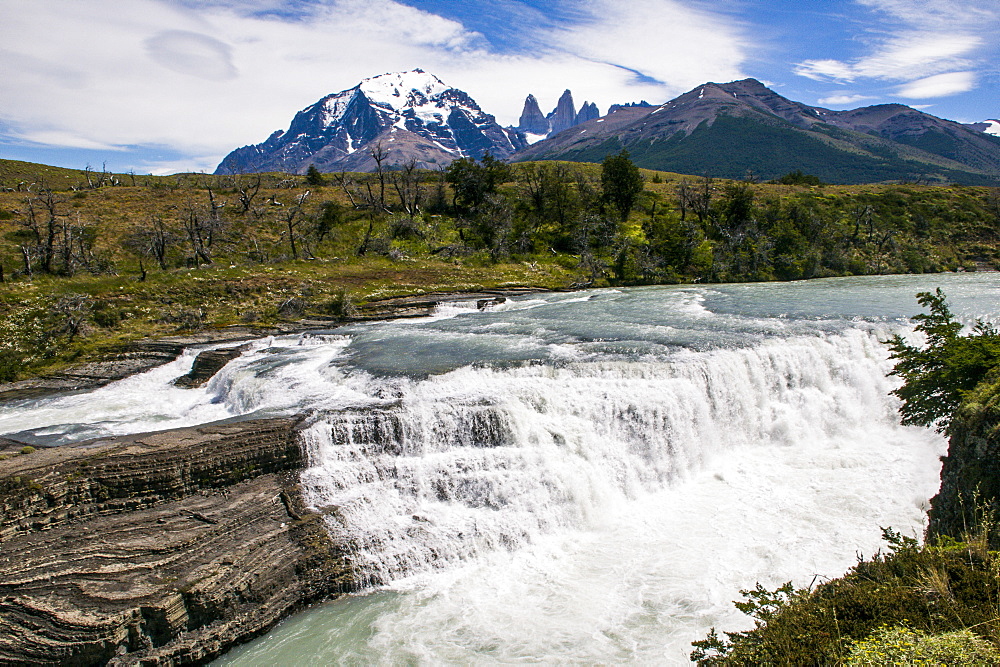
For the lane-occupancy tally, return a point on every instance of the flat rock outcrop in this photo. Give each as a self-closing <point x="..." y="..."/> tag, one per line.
<point x="207" y="364"/>
<point x="127" y="360"/>
<point x="161" y="548"/>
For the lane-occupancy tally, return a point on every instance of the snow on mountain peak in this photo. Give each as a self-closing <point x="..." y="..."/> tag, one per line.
<point x="994" y="127"/>
<point x="395" y="93"/>
<point x="394" y="89"/>
<point x="415" y="112"/>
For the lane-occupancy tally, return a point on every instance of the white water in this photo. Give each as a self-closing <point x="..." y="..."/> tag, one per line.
<point x="585" y="477"/>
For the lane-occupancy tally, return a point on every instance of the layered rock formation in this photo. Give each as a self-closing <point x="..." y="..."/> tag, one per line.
<point x="163" y="548"/>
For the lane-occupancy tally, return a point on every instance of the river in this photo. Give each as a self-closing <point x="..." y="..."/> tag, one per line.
<point x="586" y="477"/>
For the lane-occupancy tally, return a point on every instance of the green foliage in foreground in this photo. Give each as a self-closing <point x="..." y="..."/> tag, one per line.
<point x="904" y="646"/>
<point x="931" y="590"/>
<point x="940" y="375"/>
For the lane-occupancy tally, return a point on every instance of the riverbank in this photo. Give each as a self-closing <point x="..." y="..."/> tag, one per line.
<point x="169" y="547"/>
<point x="116" y="362"/>
<point x="161" y="548"/>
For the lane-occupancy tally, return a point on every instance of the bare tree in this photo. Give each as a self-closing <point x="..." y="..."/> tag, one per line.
<point x="195" y="227"/>
<point x="406" y="182"/>
<point x="379" y="154"/>
<point x="247" y="193"/>
<point x="292" y="219"/>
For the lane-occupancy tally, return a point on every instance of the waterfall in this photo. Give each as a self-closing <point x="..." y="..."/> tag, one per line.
<point x="485" y="458"/>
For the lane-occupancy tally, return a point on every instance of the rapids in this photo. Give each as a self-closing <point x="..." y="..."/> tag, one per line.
<point x="581" y="477"/>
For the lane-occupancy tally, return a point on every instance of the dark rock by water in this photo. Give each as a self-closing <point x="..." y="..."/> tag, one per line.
<point x="161" y="548"/>
<point x="207" y="364"/>
<point x="969" y="498"/>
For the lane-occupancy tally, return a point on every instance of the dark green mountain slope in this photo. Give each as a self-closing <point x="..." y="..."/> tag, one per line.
<point x="733" y="129"/>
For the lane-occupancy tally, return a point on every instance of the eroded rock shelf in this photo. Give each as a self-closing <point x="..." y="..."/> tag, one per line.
<point x="163" y="548"/>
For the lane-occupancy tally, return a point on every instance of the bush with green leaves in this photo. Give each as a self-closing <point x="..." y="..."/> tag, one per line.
<point x="904" y="646"/>
<point x="939" y="375"/>
<point x="936" y="588"/>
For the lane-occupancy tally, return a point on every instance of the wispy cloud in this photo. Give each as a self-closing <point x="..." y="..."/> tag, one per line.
<point x="931" y="47"/>
<point x="664" y="40"/>
<point x="192" y="53"/>
<point x="204" y="76"/>
<point x="939" y="85"/>
<point x="907" y="56"/>
<point x="844" y="100"/>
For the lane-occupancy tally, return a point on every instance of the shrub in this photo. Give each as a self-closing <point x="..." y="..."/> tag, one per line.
<point x="942" y="587"/>
<point x="938" y="376"/>
<point x="341" y="306"/>
<point x="11" y="364"/>
<point x="904" y="646"/>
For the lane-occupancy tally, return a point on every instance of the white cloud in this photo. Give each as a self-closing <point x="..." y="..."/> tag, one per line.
<point x="905" y="57"/>
<point x="938" y="14"/>
<point x="939" y="85"/>
<point x="194" y="164"/>
<point x="843" y="100"/>
<point x="207" y="76"/>
<point x="665" y="40"/>
<point x="932" y="47"/>
<point x="826" y="70"/>
<point x="192" y="53"/>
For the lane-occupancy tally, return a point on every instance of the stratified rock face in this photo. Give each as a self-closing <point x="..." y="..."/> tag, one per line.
<point x="532" y="120"/>
<point x="970" y="473"/>
<point x="161" y="548"/>
<point x="587" y="112"/>
<point x="564" y="115"/>
<point x="411" y="115"/>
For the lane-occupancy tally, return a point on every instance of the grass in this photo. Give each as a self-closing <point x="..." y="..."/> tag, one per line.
<point x="98" y="296"/>
<point x="915" y="600"/>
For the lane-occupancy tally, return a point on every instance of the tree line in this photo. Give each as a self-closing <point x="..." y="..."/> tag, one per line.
<point x="607" y="223"/>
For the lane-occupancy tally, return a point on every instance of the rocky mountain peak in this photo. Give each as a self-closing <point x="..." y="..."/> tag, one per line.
<point x="532" y="120"/>
<point x="413" y="116"/>
<point x="587" y="112"/>
<point x="535" y="126"/>
<point x="564" y="115"/>
<point x="745" y="126"/>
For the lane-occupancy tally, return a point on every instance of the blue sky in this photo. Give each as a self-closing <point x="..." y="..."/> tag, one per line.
<point x="164" y="86"/>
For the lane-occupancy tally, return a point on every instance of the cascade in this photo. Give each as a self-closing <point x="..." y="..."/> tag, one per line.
<point x="483" y="458"/>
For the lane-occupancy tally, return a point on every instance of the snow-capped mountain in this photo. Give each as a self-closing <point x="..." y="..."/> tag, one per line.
<point x="411" y="115"/>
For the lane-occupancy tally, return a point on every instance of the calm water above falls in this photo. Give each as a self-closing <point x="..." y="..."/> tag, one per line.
<point x="583" y="477"/>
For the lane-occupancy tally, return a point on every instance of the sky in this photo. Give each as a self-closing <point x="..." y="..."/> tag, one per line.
<point x="164" y="86"/>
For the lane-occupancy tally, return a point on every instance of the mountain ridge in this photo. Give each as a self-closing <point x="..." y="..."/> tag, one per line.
<point x="413" y="115"/>
<point x="769" y="135"/>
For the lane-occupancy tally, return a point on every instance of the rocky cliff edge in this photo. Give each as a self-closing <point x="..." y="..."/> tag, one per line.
<point x="157" y="549"/>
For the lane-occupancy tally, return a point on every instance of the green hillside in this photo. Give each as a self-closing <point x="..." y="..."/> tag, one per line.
<point x="733" y="147"/>
<point x="88" y="263"/>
